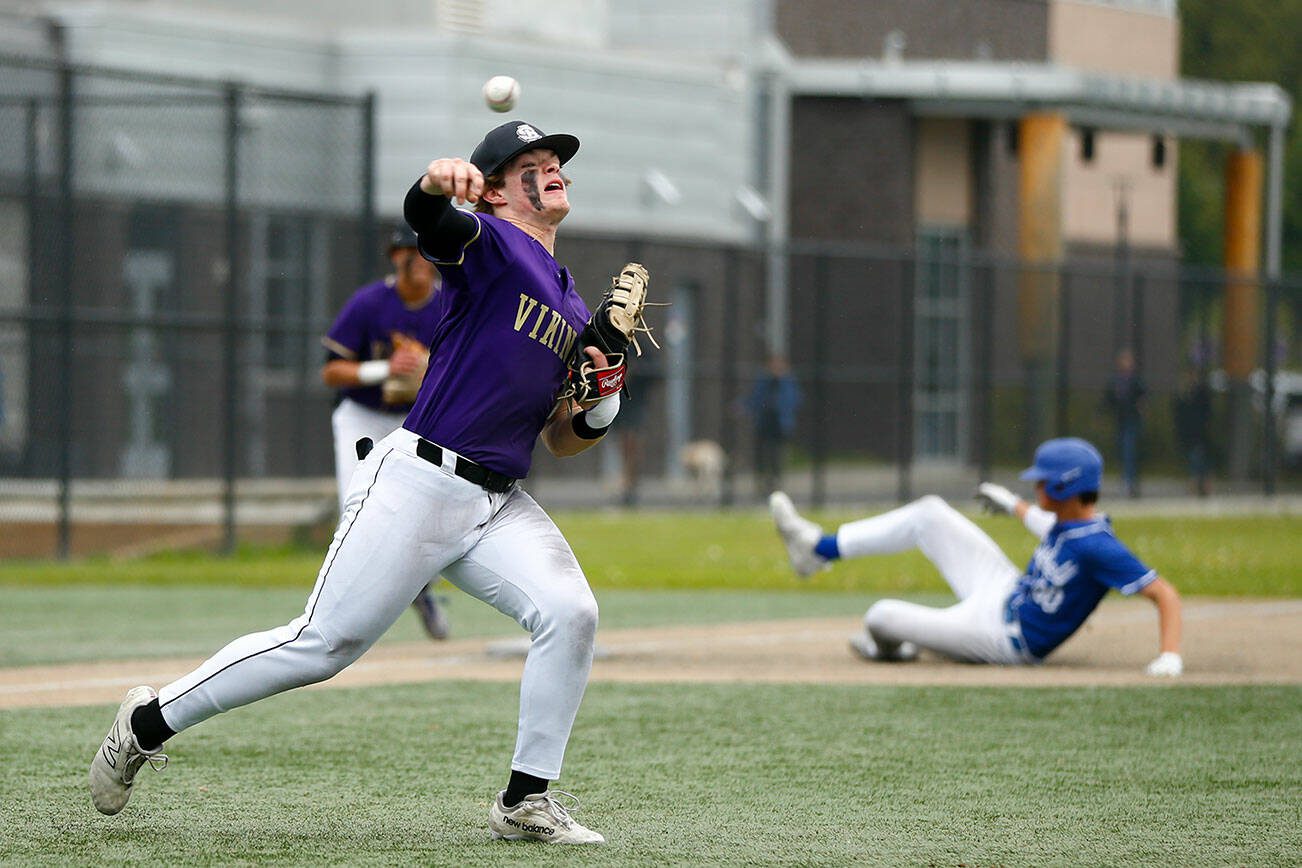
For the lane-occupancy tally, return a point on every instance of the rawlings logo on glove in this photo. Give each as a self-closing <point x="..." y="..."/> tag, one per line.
<point x="613" y="326"/>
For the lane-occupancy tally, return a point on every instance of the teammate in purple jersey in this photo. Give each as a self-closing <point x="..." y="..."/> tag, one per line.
<point x="1004" y="615"/>
<point x="440" y="494"/>
<point x="376" y="353"/>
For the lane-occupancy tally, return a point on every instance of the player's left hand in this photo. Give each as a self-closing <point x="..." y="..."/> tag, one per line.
<point x="599" y="363"/>
<point x="995" y="498"/>
<point x="609" y="332"/>
<point x="1167" y="665"/>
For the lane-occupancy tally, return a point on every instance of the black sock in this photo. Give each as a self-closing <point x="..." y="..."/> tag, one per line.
<point x="522" y="785"/>
<point x="149" y="727"/>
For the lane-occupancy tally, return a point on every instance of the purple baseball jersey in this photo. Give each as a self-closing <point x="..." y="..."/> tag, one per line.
<point x="364" y="329"/>
<point x="497" y="360"/>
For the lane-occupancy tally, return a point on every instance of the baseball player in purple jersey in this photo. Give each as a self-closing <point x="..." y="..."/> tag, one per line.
<point x="1004" y="615"/>
<point x="376" y="353"/>
<point x="440" y="494"/>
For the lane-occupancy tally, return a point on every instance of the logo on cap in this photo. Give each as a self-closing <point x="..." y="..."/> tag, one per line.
<point x="526" y="133"/>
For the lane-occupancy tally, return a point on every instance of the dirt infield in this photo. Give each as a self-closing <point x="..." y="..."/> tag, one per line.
<point x="1226" y="642"/>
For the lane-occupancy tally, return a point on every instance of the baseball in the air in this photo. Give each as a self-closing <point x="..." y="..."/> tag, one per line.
<point x="501" y="92"/>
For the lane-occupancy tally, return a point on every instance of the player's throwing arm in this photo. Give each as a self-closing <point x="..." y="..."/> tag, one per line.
<point x="454" y="178"/>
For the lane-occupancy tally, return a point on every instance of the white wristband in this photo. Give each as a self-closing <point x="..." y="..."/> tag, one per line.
<point x="603" y="414"/>
<point x="373" y="372"/>
<point x="1039" y="521"/>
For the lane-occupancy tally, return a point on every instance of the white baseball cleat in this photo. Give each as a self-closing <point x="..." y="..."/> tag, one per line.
<point x="1167" y="665"/>
<point x="113" y="770"/>
<point x="864" y="646"/>
<point x="432" y="615"/>
<point x="540" y="817"/>
<point x="799" y="534"/>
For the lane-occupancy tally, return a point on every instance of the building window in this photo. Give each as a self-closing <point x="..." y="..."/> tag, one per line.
<point x="1087" y="145"/>
<point x="941" y="327"/>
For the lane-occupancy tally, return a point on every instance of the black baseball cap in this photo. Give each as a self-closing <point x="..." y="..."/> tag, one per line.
<point x="402" y="236"/>
<point x="513" y="138"/>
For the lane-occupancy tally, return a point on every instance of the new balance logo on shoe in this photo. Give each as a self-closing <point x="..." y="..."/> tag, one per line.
<point x="112" y="748"/>
<point x="540" y="817"/>
<point x="529" y="827"/>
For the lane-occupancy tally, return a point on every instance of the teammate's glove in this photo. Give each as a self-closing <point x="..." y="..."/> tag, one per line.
<point x="402" y="387"/>
<point x="613" y="326"/>
<point x="1167" y="665"/>
<point x="995" y="498"/>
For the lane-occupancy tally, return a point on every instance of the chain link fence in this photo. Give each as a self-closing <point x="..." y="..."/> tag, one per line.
<point x="173" y="250"/>
<point x="928" y="369"/>
<point x="170" y="249"/>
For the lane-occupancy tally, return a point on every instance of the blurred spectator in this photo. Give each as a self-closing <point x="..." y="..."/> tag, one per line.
<point x="1124" y="397"/>
<point x="1192" y="412"/>
<point x="772" y="405"/>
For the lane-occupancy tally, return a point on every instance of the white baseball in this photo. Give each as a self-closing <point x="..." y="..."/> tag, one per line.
<point x="501" y="92"/>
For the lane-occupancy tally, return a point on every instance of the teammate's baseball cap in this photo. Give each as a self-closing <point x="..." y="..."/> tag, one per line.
<point x="504" y="143"/>
<point x="1068" y="466"/>
<point x="402" y="236"/>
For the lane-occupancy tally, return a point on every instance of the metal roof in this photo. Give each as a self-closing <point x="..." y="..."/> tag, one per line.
<point x="996" y="89"/>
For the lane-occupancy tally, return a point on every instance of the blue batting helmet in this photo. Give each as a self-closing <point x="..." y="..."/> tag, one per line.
<point x="1068" y="466"/>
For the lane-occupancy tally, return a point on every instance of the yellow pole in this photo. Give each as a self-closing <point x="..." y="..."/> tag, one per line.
<point x="1243" y="173"/>
<point x="1039" y="230"/>
<point x="1040" y="144"/>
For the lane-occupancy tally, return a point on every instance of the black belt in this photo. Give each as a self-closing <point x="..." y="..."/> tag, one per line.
<point x="465" y="468"/>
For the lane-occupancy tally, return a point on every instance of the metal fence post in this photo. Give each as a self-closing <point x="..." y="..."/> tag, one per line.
<point x="1269" y="446"/>
<point x="985" y="368"/>
<point x="1062" y="402"/>
<point x="818" y="481"/>
<point x="367" y="229"/>
<point x="728" y="425"/>
<point x="1137" y="288"/>
<point x="230" y="337"/>
<point x="67" y="247"/>
<point x="904" y="405"/>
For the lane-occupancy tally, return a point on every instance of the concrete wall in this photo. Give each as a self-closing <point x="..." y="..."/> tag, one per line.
<point x="852" y="171"/>
<point x="1121" y="40"/>
<point x="634" y="112"/>
<point x="959" y="29"/>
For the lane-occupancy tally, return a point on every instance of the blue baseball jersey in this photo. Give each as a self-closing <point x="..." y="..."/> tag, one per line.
<point x="365" y="327"/>
<point x="1074" y="566"/>
<point x="497" y="362"/>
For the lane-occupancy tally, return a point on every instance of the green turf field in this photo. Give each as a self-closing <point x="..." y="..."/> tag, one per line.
<point x="706" y="775"/>
<point x="672" y="774"/>
<point x="1240" y="555"/>
<point x="52" y="625"/>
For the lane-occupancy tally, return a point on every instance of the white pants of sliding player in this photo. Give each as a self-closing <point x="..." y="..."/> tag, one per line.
<point x="978" y="571"/>
<point x="351" y="422"/>
<point x="406" y="521"/>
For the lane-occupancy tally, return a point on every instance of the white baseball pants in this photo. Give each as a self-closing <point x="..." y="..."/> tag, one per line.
<point x="350" y="422"/>
<point x="406" y="521"/>
<point x="973" y="629"/>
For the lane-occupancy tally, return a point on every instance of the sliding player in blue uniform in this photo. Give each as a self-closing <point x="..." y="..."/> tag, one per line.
<point x="1004" y="615"/>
